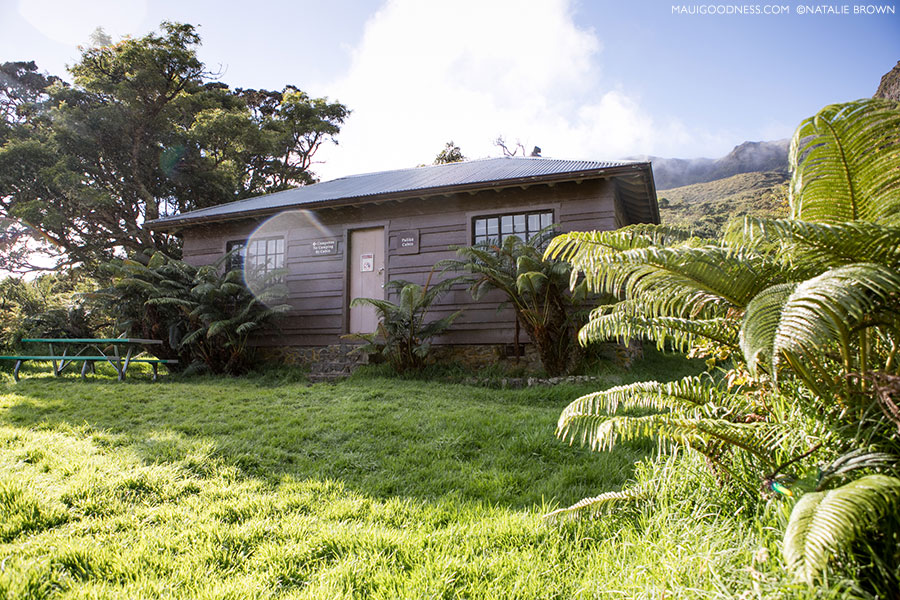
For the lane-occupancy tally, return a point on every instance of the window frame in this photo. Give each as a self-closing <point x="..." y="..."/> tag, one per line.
<point x="511" y="214"/>
<point x="271" y="261"/>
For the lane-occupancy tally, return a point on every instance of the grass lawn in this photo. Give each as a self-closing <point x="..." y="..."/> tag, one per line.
<point x="371" y="488"/>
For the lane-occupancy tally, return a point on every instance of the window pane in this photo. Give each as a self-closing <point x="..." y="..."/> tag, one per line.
<point x="279" y="248"/>
<point x="534" y="223"/>
<point x="519" y="223"/>
<point x="493" y="227"/>
<point x="506" y="224"/>
<point x="480" y="228"/>
<point x="546" y="219"/>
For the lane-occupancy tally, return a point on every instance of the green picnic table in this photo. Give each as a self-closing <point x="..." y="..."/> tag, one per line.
<point x="118" y="352"/>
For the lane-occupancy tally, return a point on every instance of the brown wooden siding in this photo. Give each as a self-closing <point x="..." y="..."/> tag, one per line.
<point x="316" y="283"/>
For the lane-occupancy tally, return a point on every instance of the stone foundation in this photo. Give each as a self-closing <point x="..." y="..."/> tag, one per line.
<point x="334" y="362"/>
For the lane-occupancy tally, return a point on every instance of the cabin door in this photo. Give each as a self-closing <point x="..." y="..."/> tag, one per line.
<point x="366" y="276"/>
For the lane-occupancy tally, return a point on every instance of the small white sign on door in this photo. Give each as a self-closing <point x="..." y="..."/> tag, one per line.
<point x="366" y="263"/>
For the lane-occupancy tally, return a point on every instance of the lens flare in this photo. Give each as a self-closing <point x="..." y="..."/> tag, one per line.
<point x="170" y="158"/>
<point x="267" y="253"/>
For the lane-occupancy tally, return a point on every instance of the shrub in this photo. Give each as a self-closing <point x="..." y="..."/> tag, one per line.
<point x="808" y="310"/>
<point x="403" y="336"/>
<point x="204" y="315"/>
<point x="537" y="288"/>
<point x="51" y="305"/>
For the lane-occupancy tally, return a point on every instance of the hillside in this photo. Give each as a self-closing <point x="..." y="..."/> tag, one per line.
<point x="706" y="207"/>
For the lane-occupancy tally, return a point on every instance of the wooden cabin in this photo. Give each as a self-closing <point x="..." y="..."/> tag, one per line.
<point x="345" y="238"/>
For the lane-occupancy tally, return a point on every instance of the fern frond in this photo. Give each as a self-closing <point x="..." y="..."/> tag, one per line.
<point x="760" y="325"/>
<point x="824" y="523"/>
<point x="601" y="432"/>
<point x="593" y="506"/>
<point x="625" y="321"/>
<point x="679" y="281"/>
<point x="828" y="245"/>
<point x="845" y="164"/>
<point x="568" y="245"/>
<point x="826" y="309"/>
<point x="685" y="393"/>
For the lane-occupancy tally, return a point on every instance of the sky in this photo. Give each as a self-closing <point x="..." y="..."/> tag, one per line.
<point x="582" y="79"/>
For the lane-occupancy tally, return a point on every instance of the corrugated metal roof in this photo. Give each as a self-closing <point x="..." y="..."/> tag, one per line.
<point x="467" y="174"/>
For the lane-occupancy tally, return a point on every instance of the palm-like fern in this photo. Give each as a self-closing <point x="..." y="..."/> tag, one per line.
<point x="845" y="164"/>
<point x="205" y="315"/>
<point x="404" y="335"/>
<point x="536" y="287"/>
<point x="813" y="304"/>
<point x="823" y="524"/>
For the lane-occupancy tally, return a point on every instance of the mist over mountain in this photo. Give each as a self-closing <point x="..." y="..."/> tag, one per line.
<point x="748" y="157"/>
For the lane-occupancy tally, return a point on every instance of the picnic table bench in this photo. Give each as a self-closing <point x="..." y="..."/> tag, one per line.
<point x="109" y="350"/>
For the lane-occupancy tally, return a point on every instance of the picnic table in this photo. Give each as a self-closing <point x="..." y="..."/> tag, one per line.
<point x="118" y="352"/>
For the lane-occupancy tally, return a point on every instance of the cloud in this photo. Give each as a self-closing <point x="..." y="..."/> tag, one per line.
<point x="424" y="73"/>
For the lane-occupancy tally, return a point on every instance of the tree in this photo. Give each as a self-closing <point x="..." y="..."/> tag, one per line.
<point x="450" y="154"/>
<point x="142" y="133"/>
<point x="808" y="308"/>
<point x="501" y="143"/>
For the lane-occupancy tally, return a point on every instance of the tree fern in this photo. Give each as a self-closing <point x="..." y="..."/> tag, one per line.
<point x="845" y="164"/>
<point x="404" y="336"/>
<point x="822" y="524"/>
<point x="796" y="322"/>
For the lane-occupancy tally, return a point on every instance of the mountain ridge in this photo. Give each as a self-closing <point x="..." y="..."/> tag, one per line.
<point x="747" y="157"/>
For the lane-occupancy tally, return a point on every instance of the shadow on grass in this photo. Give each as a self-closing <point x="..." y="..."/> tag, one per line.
<point x="379" y="437"/>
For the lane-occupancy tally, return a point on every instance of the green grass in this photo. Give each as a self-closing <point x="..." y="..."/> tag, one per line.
<point x="371" y="488"/>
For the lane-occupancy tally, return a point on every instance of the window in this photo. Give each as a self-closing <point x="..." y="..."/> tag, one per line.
<point x="261" y="256"/>
<point x="236" y="260"/>
<point x="500" y="227"/>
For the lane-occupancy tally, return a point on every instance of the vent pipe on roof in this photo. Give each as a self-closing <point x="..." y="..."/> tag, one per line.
<point x="536" y="152"/>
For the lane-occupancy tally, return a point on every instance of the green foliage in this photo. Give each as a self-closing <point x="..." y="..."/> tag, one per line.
<point x="535" y="287"/>
<point x="824" y="524"/>
<point x="845" y="164"/>
<point x="807" y="311"/>
<point x="370" y="488"/>
<point x="51" y="305"/>
<point x="143" y="133"/>
<point x="450" y="154"/>
<point x="404" y="336"/>
<point x="203" y="315"/>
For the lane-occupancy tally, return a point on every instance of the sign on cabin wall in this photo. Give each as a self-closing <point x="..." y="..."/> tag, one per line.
<point x="367" y="263"/>
<point x="324" y="247"/>
<point x="408" y="242"/>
